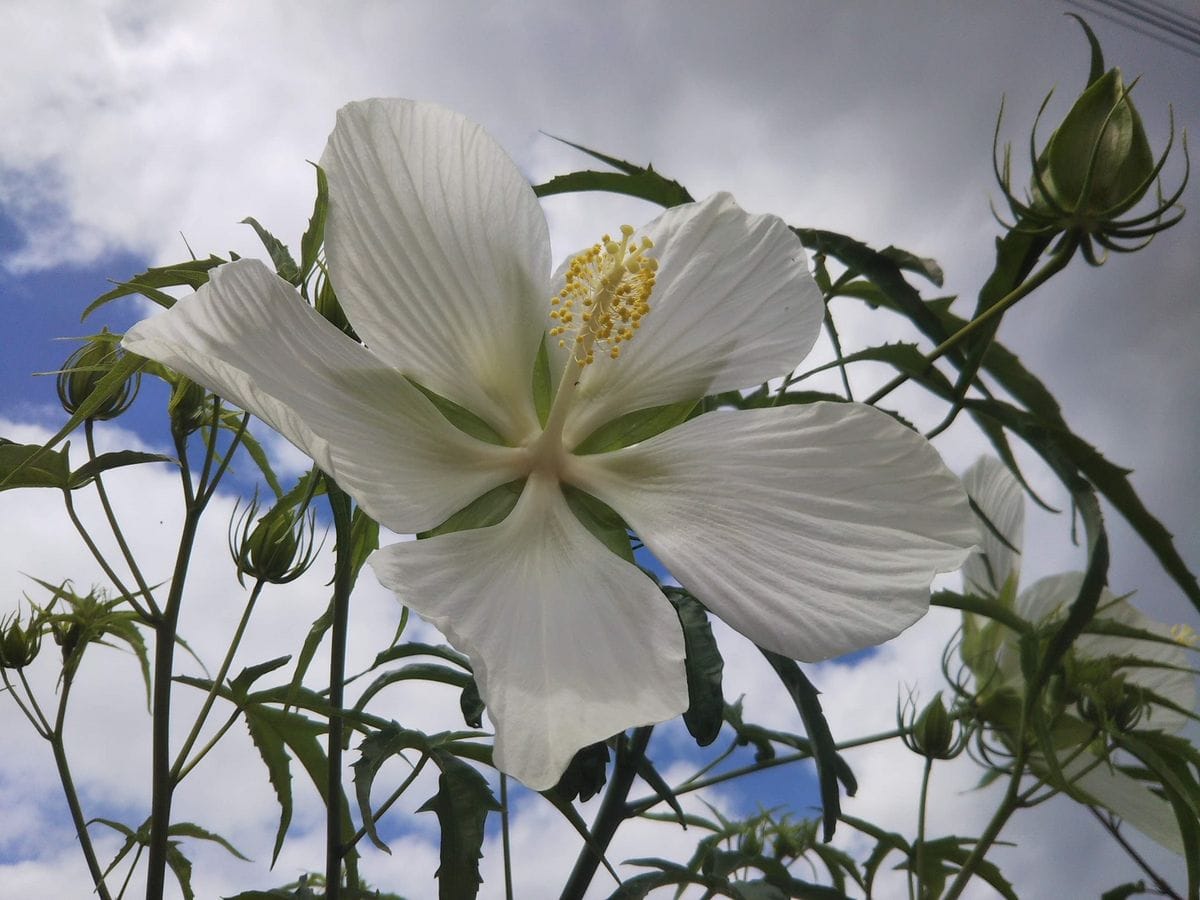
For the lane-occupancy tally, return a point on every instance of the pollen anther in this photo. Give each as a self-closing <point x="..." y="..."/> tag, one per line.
<point x="612" y="280"/>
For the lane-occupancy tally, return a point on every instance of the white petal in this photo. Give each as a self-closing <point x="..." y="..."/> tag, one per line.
<point x="994" y="489"/>
<point x="439" y="253"/>
<point x="733" y="306"/>
<point x="570" y="643"/>
<point x="813" y="530"/>
<point x="1128" y="798"/>
<point x="247" y="336"/>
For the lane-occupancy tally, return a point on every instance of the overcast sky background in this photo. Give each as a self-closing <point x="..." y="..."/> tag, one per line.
<point x="130" y="123"/>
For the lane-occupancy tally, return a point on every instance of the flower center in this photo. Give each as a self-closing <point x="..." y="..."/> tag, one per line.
<point x="605" y="297"/>
<point x="1185" y="635"/>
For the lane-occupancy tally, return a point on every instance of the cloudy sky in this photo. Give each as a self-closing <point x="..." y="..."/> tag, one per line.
<point x="132" y="126"/>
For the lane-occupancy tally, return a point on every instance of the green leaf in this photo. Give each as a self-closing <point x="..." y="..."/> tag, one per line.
<point x="191" y="273"/>
<point x="1125" y="891"/>
<point x="489" y="509"/>
<point x="461" y="804"/>
<point x="910" y="262"/>
<point x="601" y="520"/>
<point x="704" y="666"/>
<point x="634" y="427"/>
<point x="241" y="684"/>
<point x="415" y="648"/>
<point x="374" y="750"/>
<point x="543" y="384"/>
<point x="316" y="634"/>
<point x="471" y="704"/>
<point x="585" y="775"/>
<point x="632" y="180"/>
<point x="31" y="465"/>
<point x="314" y="235"/>
<point x="414" y="672"/>
<point x="903" y="357"/>
<point x="831" y="768"/>
<point x="112" y="382"/>
<point x="190" y="829"/>
<point x="105" y="461"/>
<point x="462" y="418"/>
<point x="285" y="266"/>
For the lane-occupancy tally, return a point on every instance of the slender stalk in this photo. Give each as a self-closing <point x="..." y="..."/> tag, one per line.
<point x="166" y="629"/>
<point x="150" y="617"/>
<point x="102" y="493"/>
<point x="1056" y="264"/>
<point x="919" y="861"/>
<point x="39" y="721"/>
<point x="1160" y="883"/>
<point x="218" y="680"/>
<point x="1007" y="807"/>
<point x="73" y="804"/>
<point x="342" y="582"/>
<point x="504" y="838"/>
<point x="613" y="811"/>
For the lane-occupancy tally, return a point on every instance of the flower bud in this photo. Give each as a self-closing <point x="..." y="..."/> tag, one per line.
<point x="188" y="406"/>
<point x="1098" y="162"/>
<point x="18" y="646"/>
<point x="278" y="548"/>
<point x="84" y="369"/>
<point x="932" y="733"/>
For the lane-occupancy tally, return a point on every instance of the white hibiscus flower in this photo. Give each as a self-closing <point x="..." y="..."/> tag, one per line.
<point x="994" y="572"/>
<point x="814" y="530"/>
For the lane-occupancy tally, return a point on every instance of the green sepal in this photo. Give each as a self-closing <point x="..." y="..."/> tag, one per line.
<point x="543" y="386"/>
<point x="488" y="509"/>
<point x="462" y="418"/>
<point x="601" y="520"/>
<point x="634" y="427"/>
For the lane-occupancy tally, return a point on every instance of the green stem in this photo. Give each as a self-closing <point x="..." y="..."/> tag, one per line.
<point x="919" y="861"/>
<point x="149" y="618"/>
<point x="68" y="784"/>
<point x="202" y="717"/>
<point x="1007" y="807"/>
<point x="613" y="811"/>
<point x="342" y="582"/>
<point x="102" y="493"/>
<point x="166" y="629"/>
<point x="39" y="721"/>
<point x="1056" y="264"/>
<point x="504" y="838"/>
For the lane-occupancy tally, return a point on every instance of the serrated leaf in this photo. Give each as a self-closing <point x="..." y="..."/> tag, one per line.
<point x="192" y="830"/>
<point x="831" y="768"/>
<point x="314" y="235"/>
<point x="191" y="273"/>
<point x="488" y="509"/>
<point x="634" y="427"/>
<point x="374" y="750"/>
<point x="1058" y="446"/>
<point x="910" y="262"/>
<point x="414" y="672"/>
<point x="114" y="460"/>
<point x="1125" y="891"/>
<point x="704" y="666"/>
<point x="281" y="257"/>
<point x="241" y="684"/>
<point x="584" y="776"/>
<point x="633" y="181"/>
<point x="601" y="520"/>
<point x="461" y="804"/>
<point x="903" y="357"/>
<point x="416" y="648"/>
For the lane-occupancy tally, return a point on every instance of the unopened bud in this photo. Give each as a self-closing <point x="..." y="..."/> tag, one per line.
<point x="277" y="548"/>
<point x="933" y="733"/>
<point x="83" y="371"/>
<point x="18" y="646"/>
<point x="188" y="406"/>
